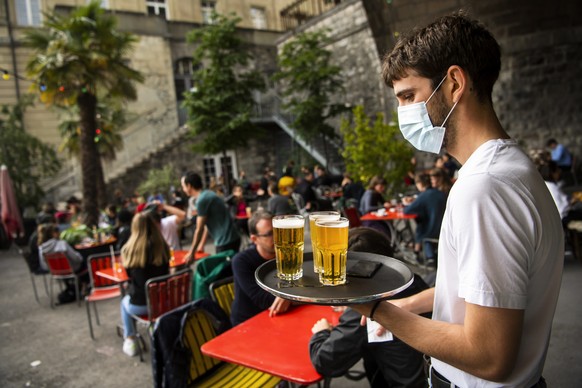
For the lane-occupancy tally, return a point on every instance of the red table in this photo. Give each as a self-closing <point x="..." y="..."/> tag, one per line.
<point x="277" y="345"/>
<point x="111" y="274"/>
<point x="390" y="216"/>
<point x="179" y="257"/>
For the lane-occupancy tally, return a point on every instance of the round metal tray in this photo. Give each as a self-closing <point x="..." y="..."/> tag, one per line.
<point x="391" y="278"/>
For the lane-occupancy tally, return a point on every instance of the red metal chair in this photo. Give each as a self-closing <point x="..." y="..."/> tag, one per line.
<point x="353" y="216"/>
<point x="163" y="294"/>
<point x="60" y="269"/>
<point x="101" y="288"/>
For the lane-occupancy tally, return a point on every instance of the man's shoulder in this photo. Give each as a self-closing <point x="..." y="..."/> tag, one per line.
<point x="246" y="255"/>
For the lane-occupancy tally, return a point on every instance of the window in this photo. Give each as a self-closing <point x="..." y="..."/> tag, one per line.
<point x="258" y="18"/>
<point x="212" y="166"/>
<point x="207" y="9"/>
<point x="157" y="7"/>
<point x="183" y="70"/>
<point x="28" y="12"/>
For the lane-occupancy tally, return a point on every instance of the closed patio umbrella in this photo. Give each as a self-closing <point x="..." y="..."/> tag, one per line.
<point x="11" y="219"/>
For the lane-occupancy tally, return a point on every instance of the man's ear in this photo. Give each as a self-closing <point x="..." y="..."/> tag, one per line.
<point x="253" y="238"/>
<point x="458" y="83"/>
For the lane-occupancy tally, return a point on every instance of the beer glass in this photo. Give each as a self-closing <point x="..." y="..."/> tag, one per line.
<point x="332" y="241"/>
<point x="327" y="216"/>
<point x="288" y="236"/>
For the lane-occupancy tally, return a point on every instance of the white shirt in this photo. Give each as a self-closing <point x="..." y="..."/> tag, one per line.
<point x="170" y="231"/>
<point x="501" y="245"/>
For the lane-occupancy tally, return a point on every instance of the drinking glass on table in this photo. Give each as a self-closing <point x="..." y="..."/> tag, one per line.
<point x="116" y="264"/>
<point x="288" y="236"/>
<point x="333" y="243"/>
<point x="326" y="216"/>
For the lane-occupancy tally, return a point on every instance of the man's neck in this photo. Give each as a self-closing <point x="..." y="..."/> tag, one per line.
<point x="476" y="124"/>
<point x="264" y="254"/>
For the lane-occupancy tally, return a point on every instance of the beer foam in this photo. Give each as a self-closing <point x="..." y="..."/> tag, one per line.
<point x="333" y="223"/>
<point x="288" y="223"/>
<point x="324" y="217"/>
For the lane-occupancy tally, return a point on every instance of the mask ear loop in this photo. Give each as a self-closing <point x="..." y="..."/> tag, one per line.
<point x="451" y="111"/>
<point x="437" y="88"/>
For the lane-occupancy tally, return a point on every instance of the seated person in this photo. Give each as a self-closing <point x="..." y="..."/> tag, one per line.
<point x="145" y="255"/>
<point x="351" y="192"/>
<point x="305" y="189"/>
<point x="429" y="208"/>
<point x="169" y="223"/>
<point x="49" y="242"/>
<point x="334" y="350"/>
<point x="372" y="200"/>
<point x="122" y="229"/>
<point x="570" y="209"/>
<point x="279" y="204"/>
<point x="32" y="256"/>
<point x="239" y="210"/>
<point x="249" y="298"/>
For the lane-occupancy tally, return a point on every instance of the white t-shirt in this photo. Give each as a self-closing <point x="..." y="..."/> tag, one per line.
<point x="170" y="231"/>
<point x="501" y="245"/>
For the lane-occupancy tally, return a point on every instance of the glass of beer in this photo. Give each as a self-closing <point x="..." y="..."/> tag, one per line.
<point x="327" y="216"/>
<point x="332" y="241"/>
<point x="288" y="236"/>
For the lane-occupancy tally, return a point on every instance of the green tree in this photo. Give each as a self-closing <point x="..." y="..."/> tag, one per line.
<point x="377" y="149"/>
<point x="79" y="59"/>
<point x="159" y="181"/>
<point x="309" y="82"/>
<point x="221" y="103"/>
<point x="28" y="159"/>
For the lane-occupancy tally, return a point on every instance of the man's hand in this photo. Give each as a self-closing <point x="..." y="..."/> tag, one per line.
<point x="380" y="331"/>
<point x="189" y="257"/>
<point x="279" y="306"/>
<point x="322" y="324"/>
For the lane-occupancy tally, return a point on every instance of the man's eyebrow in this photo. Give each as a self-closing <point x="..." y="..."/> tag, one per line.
<point x="405" y="91"/>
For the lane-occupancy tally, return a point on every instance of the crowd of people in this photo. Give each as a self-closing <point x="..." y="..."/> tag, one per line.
<point x="499" y="219"/>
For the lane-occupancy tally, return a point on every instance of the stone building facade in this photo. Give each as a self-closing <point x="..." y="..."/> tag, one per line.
<point x="536" y="95"/>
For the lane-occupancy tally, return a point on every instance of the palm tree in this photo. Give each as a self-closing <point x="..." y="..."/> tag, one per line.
<point x="111" y="118"/>
<point x="79" y="59"/>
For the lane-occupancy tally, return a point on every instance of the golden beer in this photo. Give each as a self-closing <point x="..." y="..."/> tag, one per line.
<point x="288" y="236"/>
<point x="332" y="238"/>
<point x="324" y="216"/>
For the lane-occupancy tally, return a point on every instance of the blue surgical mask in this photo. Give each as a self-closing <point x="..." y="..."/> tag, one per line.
<point x="417" y="128"/>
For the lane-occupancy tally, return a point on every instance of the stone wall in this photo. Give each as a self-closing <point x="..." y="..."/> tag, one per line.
<point x="541" y="79"/>
<point x="540" y="83"/>
<point x="354" y="50"/>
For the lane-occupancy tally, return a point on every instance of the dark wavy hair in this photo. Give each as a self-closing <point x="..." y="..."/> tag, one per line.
<point x="450" y="40"/>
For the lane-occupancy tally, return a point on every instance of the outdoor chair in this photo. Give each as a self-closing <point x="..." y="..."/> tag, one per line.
<point x="101" y="288"/>
<point x="353" y="216"/>
<point x="163" y="294"/>
<point x="204" y="371"/>
<point x="34" y="272"/>
<point x="60" y="269"/>
<point x="222" y="292"/>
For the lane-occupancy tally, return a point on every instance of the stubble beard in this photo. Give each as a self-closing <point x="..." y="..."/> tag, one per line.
<point x="440" y="110"/>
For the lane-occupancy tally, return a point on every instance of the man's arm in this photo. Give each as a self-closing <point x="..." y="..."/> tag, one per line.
<point x="486" y="345"/>
<point x="196" y="238"/>
<point x="179" y="213"/>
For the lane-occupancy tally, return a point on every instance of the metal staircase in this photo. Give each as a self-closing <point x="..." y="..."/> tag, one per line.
<point x="326" y="152"/>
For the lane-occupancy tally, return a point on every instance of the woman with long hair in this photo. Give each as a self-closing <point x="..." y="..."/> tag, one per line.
<point x="145" y="255"/>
